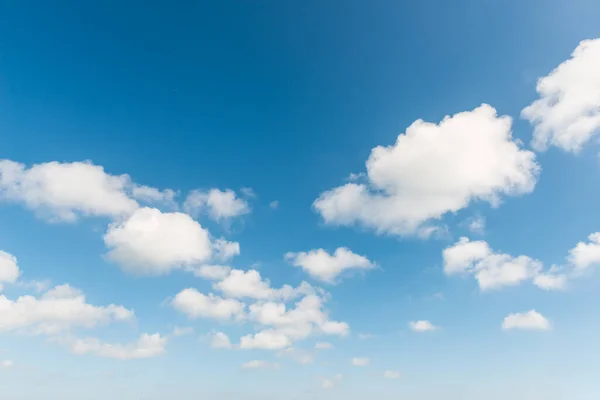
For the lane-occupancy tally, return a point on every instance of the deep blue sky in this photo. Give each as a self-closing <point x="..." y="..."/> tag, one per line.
<point x="289" y="98"/>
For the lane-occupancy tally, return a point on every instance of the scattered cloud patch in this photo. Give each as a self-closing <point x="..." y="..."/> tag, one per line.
<point x="431" y="170"/>
<point x="567" y="113"/>
<point x="323" y="346"/>
<point x="476" y="224"/>
<point x="9" y="270"/>
<point x="198" y="305"/>
<point x="530" y="320"/>
<point x="220" y="341"/>
<point x="360" y="361"/>
<point x="391" y="374"/>
<point x="585" y="255"/>
<point x="258" y="364"/>
<point x="182" y="331"/>
<point x="422" y="326"/>
<point x="326" y="267"/>
<point x="219" y="205"/>
<point x="146" y="346"/>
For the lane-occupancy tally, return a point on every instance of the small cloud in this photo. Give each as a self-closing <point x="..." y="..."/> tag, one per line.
<point x="360" y="361"/>
<point x="422" y="326"/>
<point x="476" y="224"/>
<point x="220" y="341"/>
<point x="274" y="204"/>
<point x="6" y="364"/>
<point x="259" y="364"/>
<point x="323" y="346"/>
<point x="531" y="320"/>
<point x="391" y="374"/>
<point x="248" y="192"/>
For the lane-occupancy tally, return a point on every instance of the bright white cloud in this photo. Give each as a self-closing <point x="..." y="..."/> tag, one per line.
<point x="432" y="170"/>
<point x="567" y="114"/>
<point x="9" y="270"/>
<point x="422" y="326"/>
<point x="323" y="346"/>
<point x="250" y="284"/>
<point x="64" y="191"/>
<point x="392" y="374"/>
<point x="257" y="364"/>
<point x="530" y="320"/>
<point x="360" y="361"/>
<point x="220" y="341"/>
<point x="220" y="205"/>
<point x="151" y="242"/>
<point x="146" y="346"/>
<point x="152" y="195"/>
<point x="197" y="305"/>
<point x="551" y="281"/>
<point x="326" y="267"/>
<point x="268" y="339"/>
<point x="57" y="310"/>
<point x="585" y="255"/>
<point x="492" y="270"/>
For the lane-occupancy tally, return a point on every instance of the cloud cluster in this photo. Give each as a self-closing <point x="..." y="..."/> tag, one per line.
<point x="431" y="170"/>
<point x="146" y="346"/>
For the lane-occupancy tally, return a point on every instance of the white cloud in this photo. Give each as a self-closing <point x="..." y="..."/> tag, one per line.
<point x="531" y="320"/>
<point x="151" y="242"/>
<point x="225" y="250"/>
<point x="492" y="270"/>
<point x="274" y="204"/>
<point x="212" y="272"/>
<point x="197" y="305"/>
<point x="152" y="195"/>
<point x="567" y="114"/>
<point x="323" y="346"/>
<point x="57" y="310"/>
<point x="422" y="326"/>
<point x="585" y="255"/>
<point x="146" y="346"/>
<point x="220" y="341"/>
<point x="6" y="364"/>
<point x="551" y="281"/>
<point x="250" y="284"/>
<point x="477" y="225"/>
<point x="432" y="170"/>
<point x="256" y="364"/>
<point x="9" y="270"/>
<point x="360" y="361"/>
<point x="268" y="339"/>
<point x="64" y="191"/>
<point x="392" y="374"/>
<point x="220" y="205"/>
<point x="321" y="265"/>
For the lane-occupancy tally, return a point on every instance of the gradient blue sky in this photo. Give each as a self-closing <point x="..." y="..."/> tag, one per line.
<point x="289" y="98"/>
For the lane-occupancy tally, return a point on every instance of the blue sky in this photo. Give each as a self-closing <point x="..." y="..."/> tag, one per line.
<point x="299" y="200"/>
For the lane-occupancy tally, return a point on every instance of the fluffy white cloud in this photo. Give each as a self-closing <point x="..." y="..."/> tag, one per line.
<point x="567" y="114"/>
<point x="422" y="326"/>
<point x="152" y="242"/>
<point x="531" y="320"/>
<point x="220" y="205"/>
<point x="57" y="310"/>
<point x="268" y="339"/>
<point x="250" y="284"/>
<point x="585" y="255"/>
<point x="220" y="341"/>
<point x="551" y="281"/>
<point x="432" y="170"/>
<point x="392" y="374"/>
<point x="492" y="270"/>
<point x="9" y="270"/>
<point x="152" y="195"/>
<point x="197" y="305"/>
<point x="360" y="361"/>
<point x="146" y="346"/>
<point x="326" y="267"/>
<point x="64" y="191"/>
<point x="323" y="346"/>
<point x="256" y="364"/>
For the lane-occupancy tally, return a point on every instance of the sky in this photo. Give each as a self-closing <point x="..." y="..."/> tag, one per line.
<point x="316" y="200"/>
